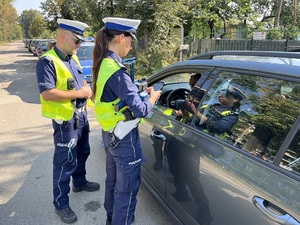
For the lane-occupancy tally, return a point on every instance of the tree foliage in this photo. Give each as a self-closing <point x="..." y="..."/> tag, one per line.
<point x="162" y="44"/>
<point x="9" y="28"/>
<point x="29" y="20"/>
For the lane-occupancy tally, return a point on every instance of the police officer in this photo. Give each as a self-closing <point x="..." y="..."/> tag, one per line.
<point x="112" y="84"/>
<point x="63" y="97"/>
<point x="222" y="117"/>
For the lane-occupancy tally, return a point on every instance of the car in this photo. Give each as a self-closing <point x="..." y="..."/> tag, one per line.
<point x="33" y="45"/>
<point x="42" y="47"/>
<point x="85" y="56"/>
<point x="250" y="175"/>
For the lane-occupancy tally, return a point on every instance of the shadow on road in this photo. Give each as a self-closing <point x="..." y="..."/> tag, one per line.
<point x="21" y="74"/>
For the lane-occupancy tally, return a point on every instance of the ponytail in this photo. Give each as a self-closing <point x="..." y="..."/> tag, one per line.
<point x="100" y="51"/>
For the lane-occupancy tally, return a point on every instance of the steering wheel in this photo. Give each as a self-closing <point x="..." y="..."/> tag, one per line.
<point x="176" y="94"/>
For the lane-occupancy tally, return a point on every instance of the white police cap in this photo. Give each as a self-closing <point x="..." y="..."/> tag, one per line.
<point x="75" y="26"/>
<point x="121" y="24"/>
<point x="235" y="92"/>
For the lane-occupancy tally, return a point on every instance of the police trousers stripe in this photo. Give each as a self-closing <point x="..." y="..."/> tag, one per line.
<point x="60" y="192"/>
<point x="128" y="208"/>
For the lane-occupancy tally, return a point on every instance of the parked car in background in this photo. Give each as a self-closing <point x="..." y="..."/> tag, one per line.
<point x="42" y="47"/>
<point x="247" y="175"/>
<point x="51" y="44"/>
<point x="85" y="56"/>
<point x="33" y="45"/>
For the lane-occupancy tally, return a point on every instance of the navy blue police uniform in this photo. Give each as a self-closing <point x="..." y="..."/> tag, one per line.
<point x="71" y="138"/>
<point x="123" y="172"/>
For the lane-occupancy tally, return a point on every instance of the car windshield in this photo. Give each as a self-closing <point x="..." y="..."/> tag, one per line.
<point x="85" y="52"/>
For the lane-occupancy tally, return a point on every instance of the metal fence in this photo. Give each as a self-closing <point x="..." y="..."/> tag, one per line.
<point x="208" y="45"/>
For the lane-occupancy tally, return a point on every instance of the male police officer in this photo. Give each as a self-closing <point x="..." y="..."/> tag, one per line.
<point x="63" y="99"/>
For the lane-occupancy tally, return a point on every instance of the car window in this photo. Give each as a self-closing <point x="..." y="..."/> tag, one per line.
<point x="85" y="52"/>
<point x="176" y="88"/>
<point x="263" y="112"/>
<point x="291" y="158"/>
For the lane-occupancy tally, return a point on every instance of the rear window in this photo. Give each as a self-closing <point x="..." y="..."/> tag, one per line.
<point x="85" y="52"/>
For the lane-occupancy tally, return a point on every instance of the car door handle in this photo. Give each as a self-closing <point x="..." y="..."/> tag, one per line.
<point x="265" y="207"/>
<point x="158" y="135"/>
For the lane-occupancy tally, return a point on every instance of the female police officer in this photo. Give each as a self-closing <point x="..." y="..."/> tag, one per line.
<point x="112" y="84"/>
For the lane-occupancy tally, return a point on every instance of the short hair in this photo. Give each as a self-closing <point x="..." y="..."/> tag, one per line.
<point x="194" y="78"/>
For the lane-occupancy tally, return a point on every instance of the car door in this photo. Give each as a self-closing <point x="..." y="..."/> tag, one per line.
<point x="250" y="176"/>
<point x="156" y="129"/>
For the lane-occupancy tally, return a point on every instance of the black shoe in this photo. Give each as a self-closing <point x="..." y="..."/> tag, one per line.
<point x="89" y="186"/>
<point x="66" y="215"/>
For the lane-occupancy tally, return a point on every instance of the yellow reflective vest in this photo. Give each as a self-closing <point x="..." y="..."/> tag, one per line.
<point x="104" y="111"/>
<point x="59" y="110"/>
<point x="224" y="113"/>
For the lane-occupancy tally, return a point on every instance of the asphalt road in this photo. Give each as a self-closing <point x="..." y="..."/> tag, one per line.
<point x="26" y="153"/>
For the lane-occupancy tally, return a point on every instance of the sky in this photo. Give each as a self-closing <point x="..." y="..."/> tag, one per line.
<point x="22" y="5"/>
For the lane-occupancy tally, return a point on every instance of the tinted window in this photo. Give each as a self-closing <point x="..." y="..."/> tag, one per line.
<point x="291" y="158"/>
<point x="260" y="121"/>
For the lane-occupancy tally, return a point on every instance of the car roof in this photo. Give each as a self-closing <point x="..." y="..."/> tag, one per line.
<point x="281" y="63"/>
<point x="87" y="43"/>
<point x="277" y="54"/>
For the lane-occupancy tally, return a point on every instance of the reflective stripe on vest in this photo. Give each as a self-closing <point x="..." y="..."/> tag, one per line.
<point x="58" y="110"/>
<point x="104" y="111"/>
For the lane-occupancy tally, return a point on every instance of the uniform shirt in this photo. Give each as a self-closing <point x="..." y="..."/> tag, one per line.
<point x="120" y="85"/>
<point x="223" y="123"/>
<point x="46" y="74"/>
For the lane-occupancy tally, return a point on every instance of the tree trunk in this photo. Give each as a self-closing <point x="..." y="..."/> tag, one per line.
<point x="211" y="27"/>
<point x="294" y="12"/>
<point x="278" y="12"/>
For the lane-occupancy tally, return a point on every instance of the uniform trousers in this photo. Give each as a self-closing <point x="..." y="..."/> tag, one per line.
<point x="123" y="177"/>
<point x="71" y="141"/>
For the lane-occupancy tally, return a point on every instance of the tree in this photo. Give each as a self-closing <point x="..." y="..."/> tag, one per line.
<point x="87" y="11"/>
<point x="162" y="45"/>
<point x="278" y="13"/>
<point x="37" y="27"/>
<point x="9" y="28"/>
<point x="26" y="19"/>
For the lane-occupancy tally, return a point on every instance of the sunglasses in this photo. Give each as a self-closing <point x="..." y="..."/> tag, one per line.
<point x="77" y="41"/>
